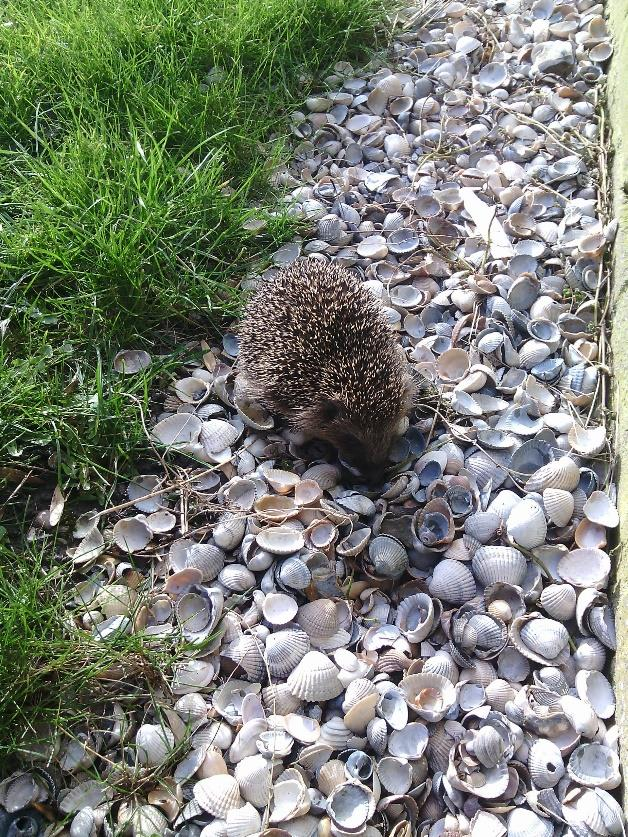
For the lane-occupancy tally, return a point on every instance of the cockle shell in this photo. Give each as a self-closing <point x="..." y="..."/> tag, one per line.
<point x="388" y="556"/>
<point x="594" y="689"/>
<point x="545" y="764"/>
<point x="452" y="582"/>
<point x="218" y="794"/>
<point x="525" y="823"/>
<point x="559" y="601"/>
<point x="526" y="524"/>
<point x="493" y="564"/>
<point x="563" y="474"/>
<point x="254" y="776"/>
<point x="154" y="744"/>
<point x="559" y="505"/>
<point x="594" y="766"/>
<point x="585" y="568"/>
<point x="315" y="678"/>
<point x="284" y="650"/>
<point x="430" y="696"/>
<point x="415" y="617"/>
<point x="540" y="639"/>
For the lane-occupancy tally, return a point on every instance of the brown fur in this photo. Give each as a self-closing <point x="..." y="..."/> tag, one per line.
<point x="315" y="348"/>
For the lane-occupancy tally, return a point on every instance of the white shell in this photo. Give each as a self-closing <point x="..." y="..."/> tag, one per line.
<point x="218" y="794"/>
<point x="452" y="582"/>
<point x="315" y="678"/>
<point x="545" y="764"/>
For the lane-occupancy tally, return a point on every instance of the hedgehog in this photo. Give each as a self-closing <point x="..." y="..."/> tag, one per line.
<point x="317" y="350"/>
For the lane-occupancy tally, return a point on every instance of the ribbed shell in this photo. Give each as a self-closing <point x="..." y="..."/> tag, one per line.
<point x="545" y="764"/>
<point x="315" y="678"/>
<point x="526" y="524"/>
<point x="218" y="794"/>
<point x="492" y="564"/>
<point x="559" y="505"/>
<point x="285" y="650"/>
<point x="559" y="601"/>
<point x="452" y="582"/>
<point x="254" y="775"/>
<point x="563" y="473"/>
<point x="319" y="619"/>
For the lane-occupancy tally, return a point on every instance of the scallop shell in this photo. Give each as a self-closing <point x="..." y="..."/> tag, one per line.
<point x="594" y="689"/>
<point x="154" y="744"/>
<point x="395" y="774"/>
<point x="254" y="777"/>
<point x="599" y="509"/>
<point x="285" y="650"/>
<point x="315" y="678"/>
<point x="522" y="822"/>
<point x="594" y="766"/>
<point x="132" y="534"/>
<point x="280" y="540"/>
<point x="585" y="568"/>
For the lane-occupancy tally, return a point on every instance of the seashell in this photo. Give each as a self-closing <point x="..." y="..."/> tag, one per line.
<point x="147" y="820"/>
<point x="522" y="821"/>
<point x="441" y="663"/>
<point x="284" y="650"/>
<point x="132" y="534"/>
<point x="283" y="482"/>
<point x="487" y="746"/>
<point x="430" y="696"/>
<point x="415" y="617"/>
<point x="388" y="556"/>
<point x="594" y="689"/>
<point x="315" y="678"/>
<point x="587" y="441"/>
<point x="335" y="733"/>
<point x="177" y="431"/>
<point x="243" y="821"/>
<point x="254" y="777"/>
<point x="154" y="744"/>
<point x="559" y="506"/>
<point x="330" y="776"/>
<point x="545" y="764"/>
<point x="482" y="526"/>
<point x="585" y="568"/>
<point x="229" y="531"/>
<point x="393" y="709"/>
<point x="279" y="609"/>
<point x="280" y="540"/>
<point x="377" y="735"/>
<point x="361" y="713"/>
<point x="207" y="558"/>
<point x="319" y="619"/>
<point x="452" y="582"/>
<point x="294" y="573"/>
<point x="218" y="794"/>
<point x="590" y="654"/>
<point x="498" y="693"/>
<point x="559" y="601"/>
<point x="395" y="774"/>
<point x="236" y="577"/>
<point x="131" y="361"/>
<point x="494" y="564"/>
<point x="350" y="806"/>
<point x="540" y="639"/>
<point x="594" y="766"/>
<point x="563" y="474"/>
<point x="526" y="524"/>
<point x="599" y="509"/>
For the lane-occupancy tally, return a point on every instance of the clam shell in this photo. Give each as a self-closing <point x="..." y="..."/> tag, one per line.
<point x="487" y="746"/>
<point x="409" y="743"/>
<point x="388" y="556"/>
<point x="392" y="708"/>
<point x="588" y="441"/>
<point x="452" y="582"/>
<point x="415" y="617"/>
<point x="543" y="640"/>
<point x="526" y="524"/>
<point x="563" y="474"/>
<point x="545" y="764"/>
<point x="132" y="534"/>
<point x="315" y="678"/>
<point x="430" y="696"/>
<point x="350" y="806"/>
<point x="522" y="822"/>
<point x="559" y="506"/>
<point x="559" y="601"/>
<point x="599" y="509"/>
<point x="244" y="821"/>
<point x="499" y="564"/>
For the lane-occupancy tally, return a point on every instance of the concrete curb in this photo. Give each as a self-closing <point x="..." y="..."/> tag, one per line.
<point x="618" y="118"/>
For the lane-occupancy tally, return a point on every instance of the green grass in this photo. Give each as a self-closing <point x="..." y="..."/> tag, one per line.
<point x="136" y="138"/>
<point x="53" y="676"/>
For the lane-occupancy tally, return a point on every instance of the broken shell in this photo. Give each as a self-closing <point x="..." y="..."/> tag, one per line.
<point x="430" y="696"/>
<point x="545" y="764"/>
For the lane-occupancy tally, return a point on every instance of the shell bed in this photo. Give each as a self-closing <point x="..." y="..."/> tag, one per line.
<point x="429" y="659"/>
